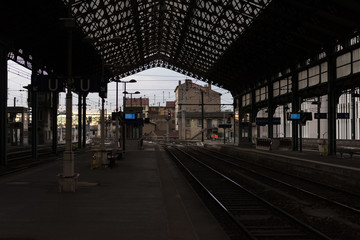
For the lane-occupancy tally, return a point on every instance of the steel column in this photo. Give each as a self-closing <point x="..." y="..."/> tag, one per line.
<point x="353" y="114"/>
<point x="252" y="115"/>
<point x="117" y="115"/>
<point x="234" y="107"/>
<point x="240" y="128"/>
<point x="3" y="104"/>
<point x="55" y="97"/>
<point x="124" y="122"/>
<point x="84" y="120"/>
<point x="79" y="120"/>
<point x="270" y="111"/>
<point x="202" y="117"/>
<point x="68" y="179"/>
<point x="318" y="120"/>
<point x="332" y="102"/>
<point x="34" y="115"/>
<point x="284" y="119"/>
<point x="295" y="104"/>
<point x="102" y="126"/>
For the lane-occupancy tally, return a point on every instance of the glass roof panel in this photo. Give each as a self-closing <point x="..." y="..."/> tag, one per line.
<point x="190" y="32"/>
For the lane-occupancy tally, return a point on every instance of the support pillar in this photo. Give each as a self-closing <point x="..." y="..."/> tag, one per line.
<point x="353" y="119"/>
<point x="234" y="110"/>
<point x="295" y="108"/>
<point x="318" y="120"/>
<point x="240" y="128"/>
<point x="68" y="179"/>
<point x="34" y="116"/>
<point x="55" y="97"/>
<point x="252" y="115"/>
<point x="202" y="117"/>
<point x="284" y="119"/>
<point x="124" y="122"/>
<point x="79" y="120"/>
<point x="102" y="126"/>
<point x="3" y="104"/>
<point x="332" y="102"/>
<point x="271" y="109"/>
<point x="117" y="115"/>
<point x="84" y="120"/>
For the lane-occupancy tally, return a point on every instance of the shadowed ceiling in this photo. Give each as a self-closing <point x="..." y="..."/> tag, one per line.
<point x="229" y="43"/>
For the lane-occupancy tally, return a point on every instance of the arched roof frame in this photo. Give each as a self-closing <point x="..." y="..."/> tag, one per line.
<point x="190" y="35"/>
<point x="236" y="44"/>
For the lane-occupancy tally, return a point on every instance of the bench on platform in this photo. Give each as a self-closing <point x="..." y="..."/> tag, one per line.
<point x="350" y="151"/>
<point x="112" y="156"/>
<point x="263" y="143"/>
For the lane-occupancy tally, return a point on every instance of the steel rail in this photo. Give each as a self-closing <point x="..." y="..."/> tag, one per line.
<point x="258" y="198"/>
<point x="326" y="199"/>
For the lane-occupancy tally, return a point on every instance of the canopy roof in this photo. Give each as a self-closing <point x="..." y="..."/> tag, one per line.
<point x="230" y="43"/>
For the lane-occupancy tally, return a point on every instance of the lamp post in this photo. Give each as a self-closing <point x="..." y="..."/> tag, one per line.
<point x="125" y="92"/>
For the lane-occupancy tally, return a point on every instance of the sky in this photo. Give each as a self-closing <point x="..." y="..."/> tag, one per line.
<point x="157" y="84"/>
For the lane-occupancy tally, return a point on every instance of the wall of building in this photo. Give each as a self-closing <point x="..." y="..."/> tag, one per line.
<point x="188" y="108"/>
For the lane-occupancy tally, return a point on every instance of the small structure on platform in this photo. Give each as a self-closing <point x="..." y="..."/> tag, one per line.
<point x="133" y="124"/>
<point x="18" y="120"/>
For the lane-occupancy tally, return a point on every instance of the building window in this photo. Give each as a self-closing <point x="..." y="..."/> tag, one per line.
<point x="208" y="123"/>
<point x="261" y="94"/>
<point x="246" y="99"/>
<point x="199" y="122"/>
<point x="187" y="122"/>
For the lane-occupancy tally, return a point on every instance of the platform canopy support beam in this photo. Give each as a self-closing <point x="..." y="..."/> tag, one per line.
<point x="34" y="115"/>
<point x="240" y="127"/>
<point x="84" y="120"/>
<point x="79" y="120"/>
<point x="353" y="116"/>
<point x="55" y="96"/>
<point x="271" y="110"/>
<point x="252" y="117"/>
<point x="332" y="103"/>
<point x="3" y="103"/>
<point x="68" y="179"/>
<point x="295" y="104"/>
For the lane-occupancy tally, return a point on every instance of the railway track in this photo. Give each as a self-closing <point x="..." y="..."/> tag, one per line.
<point x="22" y="159"/>
<point x="254" y="217"/>
<point x="22" y="154"/>
<point x="337" y="197"/>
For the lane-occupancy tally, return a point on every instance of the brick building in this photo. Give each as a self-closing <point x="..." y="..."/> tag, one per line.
<point x="190" y="98"/>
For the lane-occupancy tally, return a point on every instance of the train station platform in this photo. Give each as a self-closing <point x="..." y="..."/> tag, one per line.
<point x="144" y="197"/>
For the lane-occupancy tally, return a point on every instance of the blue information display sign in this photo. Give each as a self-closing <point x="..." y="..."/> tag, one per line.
<point x="294" y="116"/>
<point x="129" y="115"/>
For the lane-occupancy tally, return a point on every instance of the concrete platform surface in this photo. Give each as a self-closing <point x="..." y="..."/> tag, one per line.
<point x="143" y="197"/>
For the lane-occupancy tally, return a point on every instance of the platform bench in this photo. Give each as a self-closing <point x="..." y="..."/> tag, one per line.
<point x="349" y="151"/>
<point x="113" y="156"/>
<point x="263" y="143"/>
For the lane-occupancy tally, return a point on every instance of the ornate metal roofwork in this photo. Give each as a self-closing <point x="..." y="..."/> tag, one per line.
<point x="187" y="34"/>
<point x="232" y="43"/>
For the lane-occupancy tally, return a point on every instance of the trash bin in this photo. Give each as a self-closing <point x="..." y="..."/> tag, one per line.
<point x="98" y="157"/>
<point x="323" y="148"/>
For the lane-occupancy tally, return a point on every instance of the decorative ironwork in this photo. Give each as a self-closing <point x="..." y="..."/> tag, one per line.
<point x="187" y="36"/>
